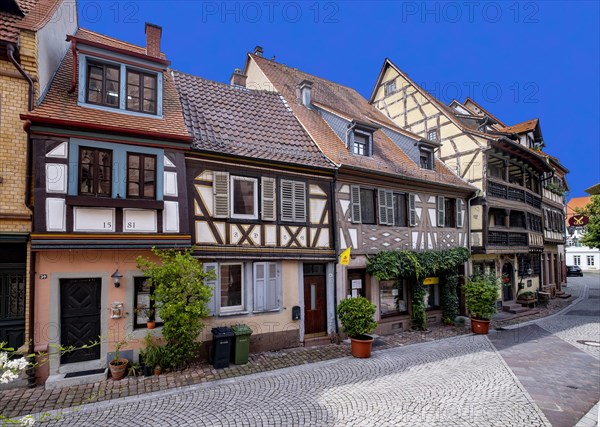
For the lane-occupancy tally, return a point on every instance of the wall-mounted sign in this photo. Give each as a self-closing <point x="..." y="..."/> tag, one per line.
<point x="357" y="284"/>
<point x="431" y="281"/>
<point x="578" y="221"/>
<point x="43" y="276"/>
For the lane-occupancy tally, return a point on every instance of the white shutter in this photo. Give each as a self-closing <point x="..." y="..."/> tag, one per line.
<point x="259" y="286"/>
<point x="212" y="303"/>
<point x="268" y="210"/>
<point x="287" y="200"/>
<point x="383" y="214"/>
<point x="389" y="201"/>
<point x="459" y="213"/>
<point x="412" y="211"/>
<point x="355" y="203"/>
<point x="272" y="288"/>
<point x="221" y="194"/>
<point x="440" y="211"/>
<point x="299" y="201"/>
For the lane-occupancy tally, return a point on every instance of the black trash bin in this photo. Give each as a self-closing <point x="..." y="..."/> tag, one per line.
<point x="221" y="346"/>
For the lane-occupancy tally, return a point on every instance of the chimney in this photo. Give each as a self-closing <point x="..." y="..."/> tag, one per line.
<point x="153" y="34"/>
<point x="305" y="92"/>
<point x="258" y="51"/>
<point x="238" y="78"/>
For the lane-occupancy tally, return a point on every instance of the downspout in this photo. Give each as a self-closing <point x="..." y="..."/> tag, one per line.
<point x="477" y="194"/>
<point x="28" y="180"/>
<point x="335" y="249"/>
<point x="74" y="67"/>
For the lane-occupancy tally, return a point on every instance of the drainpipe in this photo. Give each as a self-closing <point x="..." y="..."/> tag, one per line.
<point x="335" y="249"/>
<point x="10" y="48"/>
<point x="477" y="194"/>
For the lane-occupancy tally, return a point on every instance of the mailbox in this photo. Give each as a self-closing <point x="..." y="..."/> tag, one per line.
<point x="295" y="312"/>
<point x="116" y="310"/>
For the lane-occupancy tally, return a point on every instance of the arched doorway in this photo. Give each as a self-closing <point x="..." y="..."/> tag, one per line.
<point x="508" y="276"/>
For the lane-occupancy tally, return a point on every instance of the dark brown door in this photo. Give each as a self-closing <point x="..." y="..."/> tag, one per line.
<point x="508" y="277"/>
<point x="80" y="318"/>
<point x="315" y="307"/>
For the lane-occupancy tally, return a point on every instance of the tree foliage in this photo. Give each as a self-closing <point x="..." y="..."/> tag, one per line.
<point x="181" y="297"/>
<point x="591" y="236"/>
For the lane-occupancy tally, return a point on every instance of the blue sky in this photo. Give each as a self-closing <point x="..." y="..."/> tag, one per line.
<point x="520" y="60"/>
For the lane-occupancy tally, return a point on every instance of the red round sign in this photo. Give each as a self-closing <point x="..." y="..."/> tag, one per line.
<point x="578" y="221"/>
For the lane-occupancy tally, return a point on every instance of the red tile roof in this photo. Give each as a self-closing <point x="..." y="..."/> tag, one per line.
<point x="39" y="16"/>
<point x="577" y="203"/>
<point x="61" y="107"/>
<point x="9" y="22"/>
<point x="87" y="35"/>
<point x="526" y="126"/>
<point x="387" y="156"/>
<point x="244" y="122"/>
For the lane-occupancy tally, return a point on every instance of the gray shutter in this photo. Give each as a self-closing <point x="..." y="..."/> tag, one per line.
<point x="259" y="285"/>
<point x="212" y="304"/>
<point x="221" y="194"/>
<point x="440" y="211"/>
<point x="299" y="201"/>
<point x="459" y="213"/>
<point x="268" y="210"/>
<point x="287" y="200"/>
<point x="412" y="211"/>
<point x="389" y="201"/>
<point x="355" y="203"/>
<point x="383" y="214"/>
<point x="272" y="288"/>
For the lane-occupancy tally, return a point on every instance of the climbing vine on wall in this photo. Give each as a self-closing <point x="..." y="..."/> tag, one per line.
<point x="449" y="298"/>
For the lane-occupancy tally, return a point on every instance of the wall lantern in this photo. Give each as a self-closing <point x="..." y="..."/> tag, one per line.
<point x="116" y="276"/>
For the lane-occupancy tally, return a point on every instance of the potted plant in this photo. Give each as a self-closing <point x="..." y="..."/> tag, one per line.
<point x="151" y="354"/>
<point x="356" y="316"/>
<point x="481" y="294"/>
<point x="118" y="365"/>
<point x="148" y="313"/>
<point x="526" y="299"/>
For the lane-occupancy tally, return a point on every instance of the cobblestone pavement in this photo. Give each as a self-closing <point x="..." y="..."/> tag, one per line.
<point x="460" y="381"/>
<point x="562" y="375"/>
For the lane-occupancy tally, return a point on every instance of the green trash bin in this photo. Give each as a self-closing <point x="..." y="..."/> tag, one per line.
<point x="241" y="344"/>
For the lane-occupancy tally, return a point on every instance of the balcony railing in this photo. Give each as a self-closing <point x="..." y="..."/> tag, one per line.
<point x="507" y="192"/>
<point x="509" y="238"/>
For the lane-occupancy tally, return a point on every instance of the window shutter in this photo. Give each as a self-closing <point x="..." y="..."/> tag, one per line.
<point x="272" y="289"/>
<point x="221" y="194"/>
<point x="383" y="214"/>
<point x="268" y="212"/>
<point x="459" y="213"/>
<point x="355" y="203"/>
<point x="259" y="286"/>
<point x="389" y="201"/>
<point x="440" y="211"/>
<point x="287" y="201"/>
<point x="412" y="211"/>
<point x="212" y="303"/>
<point x="299" y="201"/>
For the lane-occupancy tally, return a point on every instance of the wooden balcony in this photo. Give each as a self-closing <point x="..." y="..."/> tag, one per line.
<point x="514" y="193"/>
<point x="514" y="238"/>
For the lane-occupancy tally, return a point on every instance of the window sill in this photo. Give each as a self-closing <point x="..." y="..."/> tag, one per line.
<point x="114" y="203"/>
<point x="233" y="313"/>
<point x="276" y="310"/>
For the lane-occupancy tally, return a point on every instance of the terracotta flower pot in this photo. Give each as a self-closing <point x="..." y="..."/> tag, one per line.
<point x="151" y="325"/>
<point x="117" y="368"/>
<point x="480" y="326"/>
<point x="361" y="346"/>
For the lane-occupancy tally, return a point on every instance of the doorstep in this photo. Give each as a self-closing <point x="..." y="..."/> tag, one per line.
<point x="71" y="374"/>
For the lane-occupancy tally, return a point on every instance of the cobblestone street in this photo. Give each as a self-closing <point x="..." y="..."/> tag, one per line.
<point x="536" y="374"/>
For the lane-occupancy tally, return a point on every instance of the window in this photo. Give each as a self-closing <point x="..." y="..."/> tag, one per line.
<point x="266" y="287"/>
<point x="517" y="219"/>
<point x="293" y="201"/>
<point x="367" y="206"/>
<point x="390" y="87"/>
<point x="459" y="213"/>
<point x="577" y="259"/>
<point x="449" y="212"/>
<point x="426" y="157"/>
<point x="432" y="135"/>
<point x="590" y="260"/>
<point x="244" y="197"/>
<point x="142" y="293"/>
<point x="141" y="176"/>
<point x="393" y="297"/>
<point x="400" y="210"/>
<point x="103" y="84"/>
<point x="95" y="172"/>
<point x="496" y="168"/>
<point x="432" y="296"/>
<point x="515" y="174"/>
<point x="141" y="92"/>
<point x="386" y="207"/>
<point x="360" y="145"/>
<point x="441" y="211"/>
<point x="231" y="287"/>
<point x="497" y="217"/>
<point x="412" y="210"/>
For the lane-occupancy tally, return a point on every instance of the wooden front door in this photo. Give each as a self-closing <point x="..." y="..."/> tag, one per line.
<point x="508" y="281"/>
<point x="12" y="307"/>
<point x="80" y="318"/>
<point x="315" y="306"/>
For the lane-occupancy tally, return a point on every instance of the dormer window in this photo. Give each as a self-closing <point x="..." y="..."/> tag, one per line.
<point x="426" y="157"/>
<point x="103" y="85"/>
<point x="141" y="92"/>
<point x="361" y="143"/>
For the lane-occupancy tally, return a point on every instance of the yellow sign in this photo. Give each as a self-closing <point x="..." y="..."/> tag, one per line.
<point x="431" y="281"/>
<point x="345" y="257"/>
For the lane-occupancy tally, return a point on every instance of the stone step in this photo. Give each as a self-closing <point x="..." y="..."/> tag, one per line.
<point x="563" y="296"/>
<point x="61" y="380"/>
<point x="518" y="309"/>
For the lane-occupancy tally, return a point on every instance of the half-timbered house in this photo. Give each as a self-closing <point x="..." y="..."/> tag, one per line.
<point x="261" y="213"/>
<point x="108" y="146"/>
<point x="504" y="162"/>
<point x="391" y="192"/>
